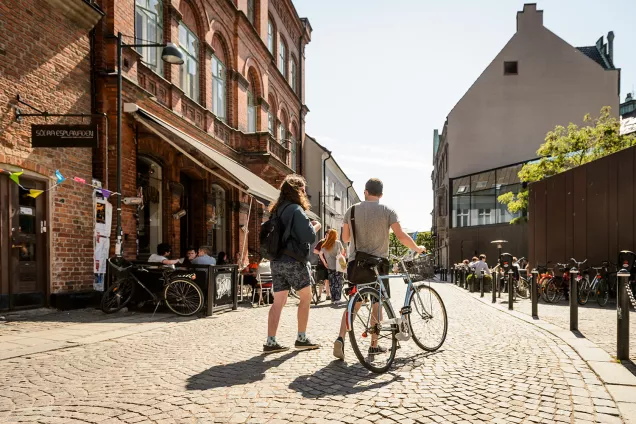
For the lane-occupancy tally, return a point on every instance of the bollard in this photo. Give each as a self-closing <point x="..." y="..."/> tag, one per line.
<point x="481" y="284"/>
<point x="574" y="304"/>
<point x="452" y="274"/>
<point x="622" y="310"/>
<point x="511" y="290"/>
<point x="495" y="284"/>
<point x="463" y="278"/>
<point x="534" y="294"/>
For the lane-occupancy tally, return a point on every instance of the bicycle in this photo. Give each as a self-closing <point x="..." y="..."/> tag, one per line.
<point x="370" y="318"/>
<point x="598" y="286"/>
<point x="557" y="286"/>
<point x="179" y="291"/>
<point x="521" y="284"/>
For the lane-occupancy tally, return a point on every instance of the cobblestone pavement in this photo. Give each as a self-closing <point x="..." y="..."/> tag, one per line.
<point x="492" y="368"/>
<point x="596" y="323"/>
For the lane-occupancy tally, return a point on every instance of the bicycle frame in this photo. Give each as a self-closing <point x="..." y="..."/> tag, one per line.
<point x="382" y="291"/>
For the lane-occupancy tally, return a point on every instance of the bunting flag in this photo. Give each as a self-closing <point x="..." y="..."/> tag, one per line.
<point x="34" y="193"/>
<point x="106" y="193"/>
<point x="15" y="176"/>
<point x="59" y="176"/>
<point x="415" y="235"/>
<point x="80" y="180"/>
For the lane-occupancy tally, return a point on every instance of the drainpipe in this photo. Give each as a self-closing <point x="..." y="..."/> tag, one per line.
<point x="301" y="120"/>
<point x="325" y="157"/>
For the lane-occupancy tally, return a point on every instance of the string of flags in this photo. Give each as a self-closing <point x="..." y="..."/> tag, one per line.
<point x="59" y="178"/>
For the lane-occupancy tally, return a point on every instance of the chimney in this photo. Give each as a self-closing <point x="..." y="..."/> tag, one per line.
<point x="529" y="17"/>
<point x="610" y="45"/>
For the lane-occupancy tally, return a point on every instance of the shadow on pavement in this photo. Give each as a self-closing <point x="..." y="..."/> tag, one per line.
<point x="237" y="373"/>
<point x="338" y="378"/>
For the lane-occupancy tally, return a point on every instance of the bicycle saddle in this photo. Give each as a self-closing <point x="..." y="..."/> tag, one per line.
<point x="598" y="268"/>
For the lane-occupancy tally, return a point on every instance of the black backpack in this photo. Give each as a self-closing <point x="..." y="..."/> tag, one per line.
<point x="271" y="237"/>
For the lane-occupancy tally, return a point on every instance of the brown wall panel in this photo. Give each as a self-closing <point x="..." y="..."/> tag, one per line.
<point x="531" y="219"/>
<point x="477" y="240"/>
<point x="585" y="213"/>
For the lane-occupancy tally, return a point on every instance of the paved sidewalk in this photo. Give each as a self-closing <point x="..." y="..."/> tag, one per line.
<point x="492" y="368"/>
<point x="620" y="379"/>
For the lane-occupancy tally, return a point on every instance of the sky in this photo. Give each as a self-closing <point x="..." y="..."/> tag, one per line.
<point x="381" y="75"/>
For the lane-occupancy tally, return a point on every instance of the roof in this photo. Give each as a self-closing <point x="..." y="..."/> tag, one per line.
<point x="595" y="54"/>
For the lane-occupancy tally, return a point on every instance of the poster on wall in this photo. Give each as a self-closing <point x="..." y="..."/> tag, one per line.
<point x="102" y="215"/>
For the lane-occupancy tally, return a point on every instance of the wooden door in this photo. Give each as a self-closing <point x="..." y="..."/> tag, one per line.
<point x="27" y="239"/>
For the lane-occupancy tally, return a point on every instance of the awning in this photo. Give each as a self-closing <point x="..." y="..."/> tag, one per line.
<point x="253" y="184"/>
<point x="256" y="186"/>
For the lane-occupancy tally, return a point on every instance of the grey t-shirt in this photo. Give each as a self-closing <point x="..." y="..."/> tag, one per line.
<point x="373" y="222"/>
<point x="332" y="254"/>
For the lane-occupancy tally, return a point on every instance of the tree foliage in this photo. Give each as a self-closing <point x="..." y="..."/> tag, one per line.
<point x="567" y="148"/>
<point x="423" y="238"/>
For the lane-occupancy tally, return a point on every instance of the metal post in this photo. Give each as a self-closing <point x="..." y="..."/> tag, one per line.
<point x="481" y="284"/>
<point x="472" y="282"/>
<point x="511" y="290"/>
<point x="534" y="294"/>
<point x="118" y="246"/>
<point x="622" y="310"/>
<point x="574" y="304"/>
<point x="495" y="284"/>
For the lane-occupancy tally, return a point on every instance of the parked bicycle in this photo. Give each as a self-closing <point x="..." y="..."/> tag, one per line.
<point x="179" y="291"/>
<point x="598" y="287"/>
<point x="371" y="319"/>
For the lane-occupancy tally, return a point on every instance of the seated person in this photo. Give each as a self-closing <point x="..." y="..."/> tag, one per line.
<point x="480" y="265"/>
<point x="249" y="274"/>
<point x="204" y="257"/>
<point x="221" y="258"/>
<point x="191" y="253"/>
<point x="161" y="257"/>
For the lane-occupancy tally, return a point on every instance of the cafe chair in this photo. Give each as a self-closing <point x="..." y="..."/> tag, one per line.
<point x="264" y="284"/>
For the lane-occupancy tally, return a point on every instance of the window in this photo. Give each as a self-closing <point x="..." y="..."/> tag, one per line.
<point x="270" y="36"/>
<point x="293" y="76"/>
<point x="282" y="58"/>
<point x="218" y="88"/>
<point x="332" y="194"/>
<point x="250" y="11"/>
<point x="149" y="29"/>
<point x="270" y="122"/>
<point x="461" y="211"/>
<point x="292" y="148"/>
<point x="510" y="68"/>
<point x="484" y="216"/>
<point x="251" y="112"/>
<point x="189" y="46"/>
<point x="281" y="133"/>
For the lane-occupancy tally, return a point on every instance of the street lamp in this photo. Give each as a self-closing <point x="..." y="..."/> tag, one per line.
<point x="170" y="54"/>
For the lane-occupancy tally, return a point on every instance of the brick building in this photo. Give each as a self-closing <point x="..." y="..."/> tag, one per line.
<point x="212" y="137"/>
<point x="45" y="242"/>
<point x="200" y="137"/>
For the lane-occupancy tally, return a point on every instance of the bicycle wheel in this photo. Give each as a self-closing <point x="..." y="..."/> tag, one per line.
<point x="118" y="295"/>
<point x="552" y="291"/>
<point x="293" y="293"/>
<point x="366" y="328"/>
<point x="584" y="292"/>
<point x="524" y="288"/>
<point x="183" y="297"/>
<point x="345" y="291"/>
<point x="428" y="320"/>
<point x="602" y="293"/>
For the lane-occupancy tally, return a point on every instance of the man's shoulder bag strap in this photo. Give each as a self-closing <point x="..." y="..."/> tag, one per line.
<point x="353" y="226"/>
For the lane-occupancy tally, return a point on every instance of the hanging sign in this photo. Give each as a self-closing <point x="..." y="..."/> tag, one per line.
<point x="64" y="135"/>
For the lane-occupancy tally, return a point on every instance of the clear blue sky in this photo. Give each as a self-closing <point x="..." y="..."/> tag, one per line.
<point x="381" y="75"/>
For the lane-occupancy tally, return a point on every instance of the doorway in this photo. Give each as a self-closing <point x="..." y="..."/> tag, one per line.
<point x="149" y="217"/>
<point x="186" y="221"/>
<point x="23" y="244"/>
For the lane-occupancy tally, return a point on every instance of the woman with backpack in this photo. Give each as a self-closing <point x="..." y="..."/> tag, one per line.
<point x="290" y="266"/>
<point x="331" y="252"/>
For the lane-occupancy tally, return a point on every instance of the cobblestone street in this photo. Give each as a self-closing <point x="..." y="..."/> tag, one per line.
<point x="493" y="367"/>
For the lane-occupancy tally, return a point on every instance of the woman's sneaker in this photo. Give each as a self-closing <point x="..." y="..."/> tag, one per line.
<point x="306" y="345"/>
<point x="274" y="348"/>
<point x="378" y="350"/>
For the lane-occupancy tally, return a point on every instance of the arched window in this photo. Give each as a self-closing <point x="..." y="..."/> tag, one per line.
<point x="219" y="219"/>
<point x="219" y="82"/>
<point x="271" y="118"/>
<point x="282" y="57"/>
<point x="149" y="30"/>
<point x="189" y="46"/>
<point x="270" y="36"/>
<point x="149" y="227"/>
<point x="251" y="106"/>
<point x="293" y="149"/>
<point x="293" y="76"/>
<point x="282" y="129"/>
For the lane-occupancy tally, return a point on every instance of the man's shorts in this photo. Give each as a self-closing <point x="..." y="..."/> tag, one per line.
<point x="286" y="275"/>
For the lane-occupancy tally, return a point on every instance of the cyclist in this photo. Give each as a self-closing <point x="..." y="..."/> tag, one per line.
<point x="367" y="226"/>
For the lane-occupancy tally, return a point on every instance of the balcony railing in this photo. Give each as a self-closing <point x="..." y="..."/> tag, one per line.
<point x="278" y="150"/>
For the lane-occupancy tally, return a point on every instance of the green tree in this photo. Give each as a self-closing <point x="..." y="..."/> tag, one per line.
<point x="395" y="247"/>
<point x="425" y="238"/>
<point x="567" y="148"/>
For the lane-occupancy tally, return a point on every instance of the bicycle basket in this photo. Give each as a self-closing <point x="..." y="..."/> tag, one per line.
<point x="420" y="268"/>
<point x="119" y="267"/>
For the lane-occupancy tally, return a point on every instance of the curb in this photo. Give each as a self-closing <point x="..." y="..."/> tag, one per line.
<point x="619" y="382"/>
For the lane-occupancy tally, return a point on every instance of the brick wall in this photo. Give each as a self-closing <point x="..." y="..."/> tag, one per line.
<point x="45" y="57"/>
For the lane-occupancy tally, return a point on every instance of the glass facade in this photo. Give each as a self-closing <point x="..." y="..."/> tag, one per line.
<point x="475" y="197"/>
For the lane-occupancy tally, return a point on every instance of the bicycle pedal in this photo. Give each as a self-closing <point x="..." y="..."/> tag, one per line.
<point x="405" y="310"/>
